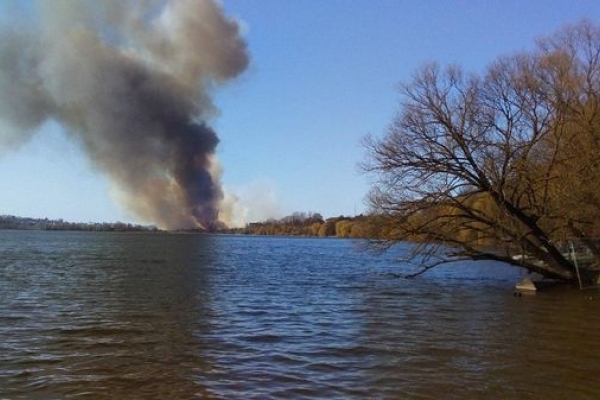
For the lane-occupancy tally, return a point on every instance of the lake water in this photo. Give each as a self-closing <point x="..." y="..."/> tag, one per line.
<point x="175" y="316"/>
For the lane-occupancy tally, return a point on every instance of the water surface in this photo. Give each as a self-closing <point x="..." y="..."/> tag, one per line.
<point x="166" y="316"/>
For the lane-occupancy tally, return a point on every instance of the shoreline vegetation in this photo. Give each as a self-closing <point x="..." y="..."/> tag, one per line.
<point x="308" y="224"/>
<point x="45" y="224"/>
<point x="297" y="224"/>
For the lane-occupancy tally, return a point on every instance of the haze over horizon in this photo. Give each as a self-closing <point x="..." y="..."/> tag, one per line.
<point x="320" y="76"/>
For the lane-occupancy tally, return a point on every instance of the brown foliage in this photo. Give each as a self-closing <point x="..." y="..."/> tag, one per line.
<point x="508" y="159"/>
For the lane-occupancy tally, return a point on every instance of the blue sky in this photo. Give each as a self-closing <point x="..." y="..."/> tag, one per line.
<point x="322" y="75"/>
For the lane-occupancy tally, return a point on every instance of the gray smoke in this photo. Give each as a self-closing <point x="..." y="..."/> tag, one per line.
<point x="130" y="82"/>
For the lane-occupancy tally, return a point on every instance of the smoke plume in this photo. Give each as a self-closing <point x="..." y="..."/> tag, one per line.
<point x="130" y="81"/>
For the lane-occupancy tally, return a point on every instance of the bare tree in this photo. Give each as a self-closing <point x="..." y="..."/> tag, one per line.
<point x="483" y="167"/>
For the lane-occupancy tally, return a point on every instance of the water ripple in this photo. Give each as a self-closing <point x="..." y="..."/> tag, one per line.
<point x="100" y="316"/>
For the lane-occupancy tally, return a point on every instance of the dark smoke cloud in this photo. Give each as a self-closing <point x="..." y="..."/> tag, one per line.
<point x="130" y="82"/>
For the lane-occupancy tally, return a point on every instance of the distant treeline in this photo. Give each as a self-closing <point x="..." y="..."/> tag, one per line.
<point x="309" y="224"/>
<point x="12" y="222"/>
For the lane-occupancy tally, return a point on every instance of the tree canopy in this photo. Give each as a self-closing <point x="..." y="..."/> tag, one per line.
<point x="487" y="166"/>
<point x="309" y="224"/>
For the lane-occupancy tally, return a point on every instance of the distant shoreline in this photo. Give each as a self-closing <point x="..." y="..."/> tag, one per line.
<point x="11" y="222"/>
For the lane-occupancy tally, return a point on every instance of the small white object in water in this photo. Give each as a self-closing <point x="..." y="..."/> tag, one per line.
<point x="526" y="284"/>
